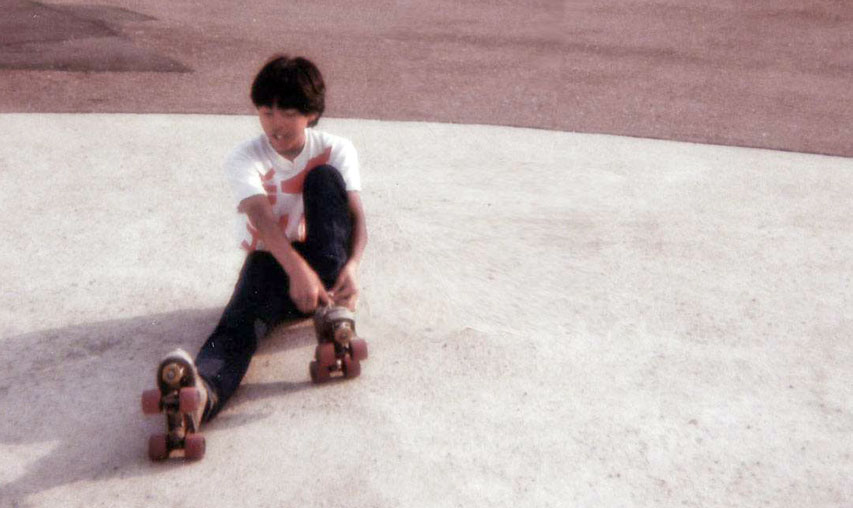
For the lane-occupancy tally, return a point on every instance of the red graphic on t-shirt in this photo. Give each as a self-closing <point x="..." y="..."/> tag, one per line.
<point x="294" y="185"/>
<point x="255" y="238"/>
<point x="301" y="231"/>
<point x="272" y="196"/>
<point x="269" y="187"/>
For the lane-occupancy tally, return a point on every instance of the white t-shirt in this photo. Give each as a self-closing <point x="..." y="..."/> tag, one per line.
<point x="254" y="167"/>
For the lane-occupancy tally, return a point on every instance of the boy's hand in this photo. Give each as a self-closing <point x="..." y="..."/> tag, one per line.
<point x="306" y="289"/>
<point x="345" y="290"/>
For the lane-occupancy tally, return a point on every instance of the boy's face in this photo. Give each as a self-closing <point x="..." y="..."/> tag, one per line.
<point x="285" y="128"/>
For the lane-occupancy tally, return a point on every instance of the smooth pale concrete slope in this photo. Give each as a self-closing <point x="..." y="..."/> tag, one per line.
<point x="554" y="320"/>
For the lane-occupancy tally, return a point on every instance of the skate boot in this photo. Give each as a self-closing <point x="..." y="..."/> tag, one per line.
<point x="338" y="347"/>
<point x="182" y="395"/>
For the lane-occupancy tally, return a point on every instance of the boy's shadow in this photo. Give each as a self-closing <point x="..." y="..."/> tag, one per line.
<point x="294" y="334"/>
<point x="70" y="397"/>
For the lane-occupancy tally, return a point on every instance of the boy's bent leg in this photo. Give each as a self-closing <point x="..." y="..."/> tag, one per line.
<point x="261" y="293"/>
<point x="328" y="222"/>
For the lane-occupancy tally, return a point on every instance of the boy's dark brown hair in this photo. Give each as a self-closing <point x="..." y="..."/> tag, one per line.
<point x="290" y="83"/>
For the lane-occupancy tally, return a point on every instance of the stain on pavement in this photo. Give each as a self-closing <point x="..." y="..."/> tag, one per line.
<point x="37" y="36"/>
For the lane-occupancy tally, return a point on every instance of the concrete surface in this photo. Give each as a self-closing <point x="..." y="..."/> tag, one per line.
<point x="765" y="73"/>
<point x="555" y="319"/>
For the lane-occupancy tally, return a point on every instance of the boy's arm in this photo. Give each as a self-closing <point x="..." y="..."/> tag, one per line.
<point x="306" y="289"/>
<point x="345" y="291"/>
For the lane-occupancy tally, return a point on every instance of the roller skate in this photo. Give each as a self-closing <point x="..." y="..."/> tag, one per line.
<point x="339" y="350"/>
<point x="181" y="395"/>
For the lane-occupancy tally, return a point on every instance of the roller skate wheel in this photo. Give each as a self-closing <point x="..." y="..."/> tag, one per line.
<point x="359" y="349"/>
<point x="194" y="446"/>
<point x="312" y="369"/>
<point x="352" y="368"/>
<point x="157" y="449"/>
<point x="325" y="354"/>
<point x="318" y="373"/>
<point x="151" y="402"/>
<point x="190" y="399"/>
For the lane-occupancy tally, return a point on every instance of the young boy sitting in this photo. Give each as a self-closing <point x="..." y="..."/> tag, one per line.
<point x="302" y="225"/>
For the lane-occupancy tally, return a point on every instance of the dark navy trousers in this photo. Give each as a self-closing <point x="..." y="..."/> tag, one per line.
<point x="261" y="293"/>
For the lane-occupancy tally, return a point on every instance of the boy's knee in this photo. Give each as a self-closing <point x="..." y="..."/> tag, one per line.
<point x="324" y="178"/>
